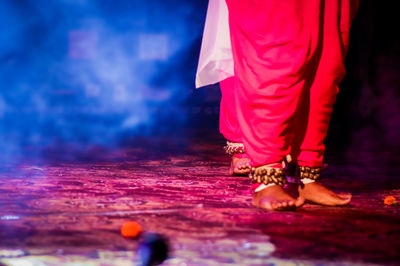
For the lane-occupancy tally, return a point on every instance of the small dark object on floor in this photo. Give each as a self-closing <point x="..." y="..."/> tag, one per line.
<point x="153" y="250"/>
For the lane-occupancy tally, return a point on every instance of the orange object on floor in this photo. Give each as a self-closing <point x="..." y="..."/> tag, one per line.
<point x="131" y="229"/>
<point x="389" y="200"/>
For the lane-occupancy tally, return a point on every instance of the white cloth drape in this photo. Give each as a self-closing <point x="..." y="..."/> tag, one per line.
<point x="216" y="61"/>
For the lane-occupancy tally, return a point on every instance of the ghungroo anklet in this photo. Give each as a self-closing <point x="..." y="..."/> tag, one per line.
<point x="268" y="175"/>
<point x="306" y="172"/>
<point x="234" y="147"/>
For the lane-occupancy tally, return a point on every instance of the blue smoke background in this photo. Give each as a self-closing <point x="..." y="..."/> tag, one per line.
<point x="78" y="74"/>
<point x="95" y="72"/>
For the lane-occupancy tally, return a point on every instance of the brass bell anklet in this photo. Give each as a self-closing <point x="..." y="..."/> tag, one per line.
<point x="313" y="173"/>
<point x="268" y="175"/>
<point x="234" y="147"/>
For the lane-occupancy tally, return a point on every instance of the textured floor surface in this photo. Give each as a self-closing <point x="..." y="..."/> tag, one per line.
<point x="70" y="213"/>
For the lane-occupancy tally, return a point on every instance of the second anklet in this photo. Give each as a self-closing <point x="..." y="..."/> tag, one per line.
<point x="309" y="174"/>
<point x="268" y="175"/>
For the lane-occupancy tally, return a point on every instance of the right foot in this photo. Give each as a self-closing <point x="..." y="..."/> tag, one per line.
<point x="274" y="198"/>
<point x="316" y="193"/>
<point x="240" y="166"/>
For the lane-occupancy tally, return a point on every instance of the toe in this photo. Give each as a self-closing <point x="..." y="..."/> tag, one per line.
<point x="345" y="201"/>
<point x="336" y="201"/>
<point x="345" y="196"/>
<point x="299" y="202"/>
<point x="275" y="205"/>
<point x="341" y="199"/>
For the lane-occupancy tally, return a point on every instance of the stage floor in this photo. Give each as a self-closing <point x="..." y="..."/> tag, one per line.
<point x="70" y="212"/>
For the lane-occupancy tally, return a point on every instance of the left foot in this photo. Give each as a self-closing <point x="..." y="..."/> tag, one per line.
<point x="240" y="166"/>
<point x="316" y="193"/>
<point x="275" y="198"/>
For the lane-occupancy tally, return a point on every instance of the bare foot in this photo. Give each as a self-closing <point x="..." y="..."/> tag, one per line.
<point x="240" y="166"/>
<point x="316" y="193"/>
<point x="274" y="198"/>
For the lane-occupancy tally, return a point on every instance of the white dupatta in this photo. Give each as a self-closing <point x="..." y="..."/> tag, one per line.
<point x="216" y="61"/>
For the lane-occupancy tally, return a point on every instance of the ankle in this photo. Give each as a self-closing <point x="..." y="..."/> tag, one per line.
<point x="234" y="148"/>
<point x="268" y="175"/>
